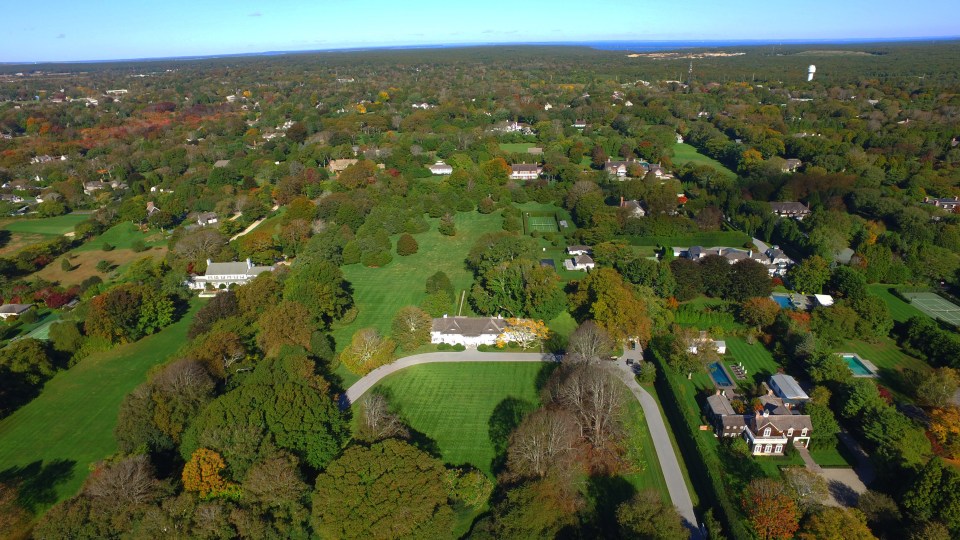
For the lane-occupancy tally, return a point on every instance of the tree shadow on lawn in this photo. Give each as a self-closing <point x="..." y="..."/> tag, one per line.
<point x="606" y="493"/>
<point x="36" y="482"/>
<point x="506" y="416"/>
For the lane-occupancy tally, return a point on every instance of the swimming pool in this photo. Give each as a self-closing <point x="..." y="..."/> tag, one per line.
<point x="857" y="366"/>
<point x="783" y="301"/>
<point x="720" y="375"/>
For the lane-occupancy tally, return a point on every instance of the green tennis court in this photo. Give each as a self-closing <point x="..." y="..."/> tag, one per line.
<point x="935" y="306"/>
<point x="545" y="224"/>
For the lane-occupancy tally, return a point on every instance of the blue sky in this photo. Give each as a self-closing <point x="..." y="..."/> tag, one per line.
<point x="111" y="29"/>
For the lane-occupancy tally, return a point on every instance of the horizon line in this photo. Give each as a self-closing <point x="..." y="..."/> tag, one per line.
<point x="689" y="44"/>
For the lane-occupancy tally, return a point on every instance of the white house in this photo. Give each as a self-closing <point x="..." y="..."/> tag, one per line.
<point x="467" y="331"/>
<point x="13" y="310"/>
<point x="224" y="275"/>
<point x="525" y="171"/>
<point x="788" y="389"/>
<point x="579" y="250"/>
<point x="440" y="168"/>
<point x="703" y="340"/>
<point x="581" y="262"/>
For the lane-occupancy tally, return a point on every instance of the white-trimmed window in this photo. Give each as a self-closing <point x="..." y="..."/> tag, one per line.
<point x="803" y="432"/>
<point x="790" y="432"/>
<point x="766" y="432"/>
<point x="757" y="449"/>
<point x="778" y="449"/>
<point x="768" y="448"/>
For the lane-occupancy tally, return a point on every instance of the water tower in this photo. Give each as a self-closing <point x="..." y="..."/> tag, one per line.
<point x="810" y="71"/>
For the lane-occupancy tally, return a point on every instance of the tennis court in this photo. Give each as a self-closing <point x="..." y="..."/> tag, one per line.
<point x="544" y="224"/>
<point x="935" y="306"/>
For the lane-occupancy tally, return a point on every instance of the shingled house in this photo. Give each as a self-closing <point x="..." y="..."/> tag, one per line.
<point x="767" y="430"/>
<point x="467" y="331"/>
<point x="790" y="209"/>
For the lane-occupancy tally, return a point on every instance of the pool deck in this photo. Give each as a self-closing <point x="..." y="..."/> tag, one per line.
<point x="866" y="363"/>
<point x="732" y="386"/>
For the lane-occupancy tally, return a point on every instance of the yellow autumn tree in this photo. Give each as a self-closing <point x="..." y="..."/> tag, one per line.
<point x="202" y="474"/>
<point x="524" y="332"/>
<point x="945" y="428"/>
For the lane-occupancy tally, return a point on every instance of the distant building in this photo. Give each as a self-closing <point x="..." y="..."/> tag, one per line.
<point x="206" y="218"/>
<point x="440" y="168"/>
<point x="950" y="205"/>
<point x="525" y="171"/>
<point x="336" y="166"/>
<point x="579" y="250"/>
<point x="580" y="124"/>
<point x="582" y="263"/>
<point x="790" y="209"/>
<point x="467" y="331"/>
<point x="791" y="165"/>
<point x="620" y="169"/>
<point x="13" y="310"/>
<point x="226" y="274"/>
<point x="634" y="208"/>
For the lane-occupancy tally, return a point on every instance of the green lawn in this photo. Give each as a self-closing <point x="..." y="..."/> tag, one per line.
<point x="122" y="236"/>
<point x="380" y="292"/>
<point x="54" y="226"/>
<point x="831" y="455"/>
<point x="454" y="405"/>
<point x="899" y="310"/>
<point x="51" y="441"/>
<point x="685" y="153"/>
<point x="756" y="359"/>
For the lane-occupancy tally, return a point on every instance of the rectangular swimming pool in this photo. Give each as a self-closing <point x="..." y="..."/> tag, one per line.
<point x="720" y="375"/>
<point x="783" y="301"/>
<point x="857" y="367"/>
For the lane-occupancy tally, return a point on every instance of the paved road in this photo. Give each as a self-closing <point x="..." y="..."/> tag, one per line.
<point x="661" y="442"/>
<point x="658" y="430"/>
<point x="761" y="246"/>
<point x="366" y="383"/>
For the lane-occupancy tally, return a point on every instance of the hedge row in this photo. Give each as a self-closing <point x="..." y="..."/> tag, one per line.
<point x="702" y="461"/>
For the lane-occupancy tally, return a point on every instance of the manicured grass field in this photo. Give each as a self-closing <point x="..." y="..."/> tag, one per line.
<point x="380" y="292"/>
<point x="50" y="442"/>
<point x="756" y="359"/>
<point x="454" y="405"/>
<point x="54" y="226"/>
<point x="899" y="310"/>
<point x="122" y="236"/>
<point x="890" y="361"/>
<point x="685" y="153"/>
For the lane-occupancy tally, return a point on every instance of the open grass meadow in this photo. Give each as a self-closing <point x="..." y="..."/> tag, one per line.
<point x="123" y="236"/>
<point x="50" y="443"/>
<point x="84" y="264"/>
<point x="53" y="226"/>
<point x="685" y="153"/>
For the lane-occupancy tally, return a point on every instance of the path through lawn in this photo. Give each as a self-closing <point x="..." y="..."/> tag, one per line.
<point x="50" y="442"/>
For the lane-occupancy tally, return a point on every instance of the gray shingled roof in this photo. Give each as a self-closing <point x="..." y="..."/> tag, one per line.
<point x="789" y="207"/>
<point x="469" y="326"/>
<point x="788" y="387"/>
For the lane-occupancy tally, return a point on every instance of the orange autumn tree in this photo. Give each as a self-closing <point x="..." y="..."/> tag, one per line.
<point x="772" y="511"/>
<point x="523" y="332"/>
<point x="202" y="474"/>
<point x="945" y="428"/>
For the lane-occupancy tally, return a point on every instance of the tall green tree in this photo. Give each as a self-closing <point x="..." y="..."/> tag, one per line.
<point x="387" y="490"/>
